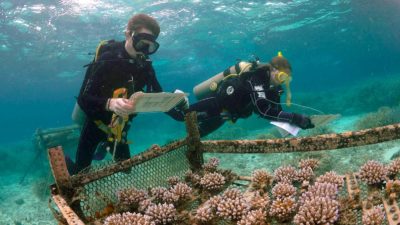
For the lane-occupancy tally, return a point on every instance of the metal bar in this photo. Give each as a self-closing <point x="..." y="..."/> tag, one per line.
<point x="66" y="211"/>
<point x="315" y="143"/>
<point x="195" y="153"/>
<point x="151" y="153"/>
<point x="59" y="168"/>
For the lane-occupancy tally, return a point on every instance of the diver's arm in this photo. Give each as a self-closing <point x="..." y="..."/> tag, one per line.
<point x="272" y="110"/>
<point x="91" y="100"/>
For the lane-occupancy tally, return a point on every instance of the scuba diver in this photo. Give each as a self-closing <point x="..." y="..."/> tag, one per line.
<point x="245" y="88"/>
<point x="118" y="70"/>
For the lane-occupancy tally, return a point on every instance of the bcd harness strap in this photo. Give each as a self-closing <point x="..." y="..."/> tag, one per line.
<point x="116" y="127"/>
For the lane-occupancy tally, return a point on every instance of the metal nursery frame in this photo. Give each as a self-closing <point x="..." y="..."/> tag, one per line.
<point x="83" y="198"/>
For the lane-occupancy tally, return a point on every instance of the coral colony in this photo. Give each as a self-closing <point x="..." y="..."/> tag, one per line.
<point x="288" y="196"/>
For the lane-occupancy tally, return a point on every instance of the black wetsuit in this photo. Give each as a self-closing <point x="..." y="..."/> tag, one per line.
<point x="113" y="69"/>
<point x="239" y="97"/>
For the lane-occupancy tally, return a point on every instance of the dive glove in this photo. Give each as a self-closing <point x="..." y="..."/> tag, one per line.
<point x="120" y="106"/>
<point x="184" y="105"/>
<point x="304" y="122"/>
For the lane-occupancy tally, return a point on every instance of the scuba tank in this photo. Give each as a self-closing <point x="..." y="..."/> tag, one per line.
<point x="208" y="87"/>
<point x="78" y="116"/>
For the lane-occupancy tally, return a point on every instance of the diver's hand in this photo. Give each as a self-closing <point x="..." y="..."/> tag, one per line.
<point x="184" y="104"/>
<point x="120" y="106"/>
<point x="302" y="121"/>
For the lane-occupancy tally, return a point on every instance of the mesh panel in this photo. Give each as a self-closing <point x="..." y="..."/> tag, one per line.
<point x="98" y="194"/>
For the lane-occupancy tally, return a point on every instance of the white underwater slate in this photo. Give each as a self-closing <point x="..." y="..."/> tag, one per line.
<point x="156" y="102"/>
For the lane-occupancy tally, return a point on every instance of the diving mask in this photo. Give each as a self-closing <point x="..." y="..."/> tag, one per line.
<point x="146" y="43"/>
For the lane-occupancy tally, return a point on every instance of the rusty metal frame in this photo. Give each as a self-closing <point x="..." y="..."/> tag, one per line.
<point x="306" y="144"/>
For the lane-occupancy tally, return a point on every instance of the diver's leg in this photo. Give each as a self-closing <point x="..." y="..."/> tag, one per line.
<point x="210" y="125"/>
<point x="208" y="115"/>
<point x="122" y="152"/>
<point x="90" y="137"/>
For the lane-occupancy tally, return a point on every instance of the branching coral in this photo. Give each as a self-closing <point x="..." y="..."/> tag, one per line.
<point x="261" y="179"/>
<point x="283" y="190"/>
<point x="158" y="193"/>
<point x="162" y="213"/>
<point x="320" y="190"/>
<point x="305" y="174"/>
<point x="211" y="165"/>
<point x="318" y="210"/>
<point x="173" y="180"/>
<point x="311" y="163"/>
<point x="232" y="208"/>
<point x="286" y="174"/>
<point x="181" y="190"/>
<point x="205" y="213"/>
<point x="192" y="178"/>
<point x="260" y="201"/>
<point x="283" y="208"/>
<point x="254" y="217"/>
<point x="212" y="181"/>
<point x="374" y="216"/>
<point x="128" y="219"/>
<point x="373" y="172"/>
<point x="331" y="177"/>
<point x="169" y="197"/>
<point x="131" y="197"/>
<point x="394" y="167"/>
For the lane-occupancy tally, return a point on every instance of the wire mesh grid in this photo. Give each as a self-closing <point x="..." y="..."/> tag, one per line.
<point x="98" y="194"/>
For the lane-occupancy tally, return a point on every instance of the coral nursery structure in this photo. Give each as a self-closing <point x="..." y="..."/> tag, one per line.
<point x="210" y="196"/>
<point x="172" y="185"/>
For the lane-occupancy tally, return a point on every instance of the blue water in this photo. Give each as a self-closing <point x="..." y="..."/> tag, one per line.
<point x="342" y="53"/>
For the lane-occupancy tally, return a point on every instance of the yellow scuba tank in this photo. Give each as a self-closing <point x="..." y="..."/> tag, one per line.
<point x="206" y="88"/>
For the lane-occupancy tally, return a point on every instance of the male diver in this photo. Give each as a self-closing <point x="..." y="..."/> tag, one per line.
<point x="245" y="88"/>
<point x="118" y="70"/>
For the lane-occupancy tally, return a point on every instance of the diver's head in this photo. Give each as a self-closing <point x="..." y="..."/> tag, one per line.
<point x="141" y="34"/>
<point x="281" y="73"/>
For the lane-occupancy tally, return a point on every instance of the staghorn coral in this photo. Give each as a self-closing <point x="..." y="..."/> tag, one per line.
<point x="131" y="196"/>
<point x="158" y="193"/>
<point x="192" y="178"/>
<point x="283" y="208"/>
<point x="305" y="174"/>
<point x="211" y="165"/>
<point x="319" y="210"/>
<point x="162" y="213"/>
<point x="204" y="214"/>
<point x="283" y="190"/>
<point x="259" y="201"/>
<point x="311" y="163"/>
<point x="232" y="193"/>
<point x="286" y="174"/>
<point x="143" y="205"/>
<point x="128" y="219"/>
<point x="261" y="179"/>
<point x="394" y="167"/>
<point x="254" y="217"/>
<point x="169" y="197"/>
<point x="232" y="208"/>
<point x="182" y="190"/>
<point x="373" y="172"/>
<point x="331" y="177"/>
<point x="173" y="180"/>
<point x="375" y="216"/>
<point x="319" y="190"/>
<point x="212" y="181"/>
